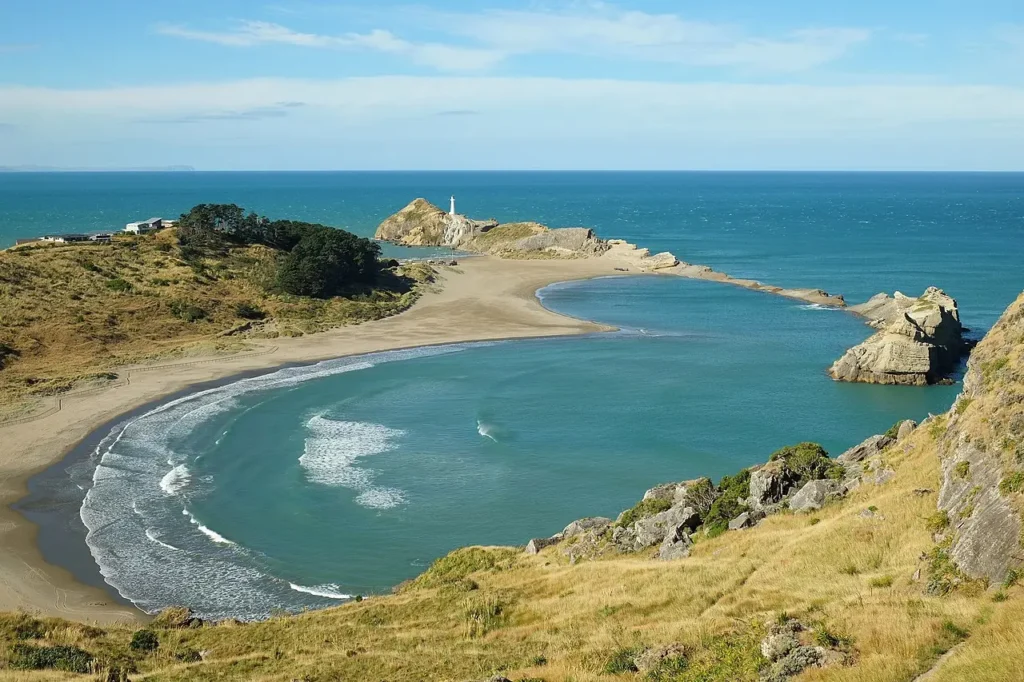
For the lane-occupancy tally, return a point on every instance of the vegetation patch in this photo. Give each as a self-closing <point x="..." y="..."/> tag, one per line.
<point x="962" y="470"/>
<point x="731" y="489"/>
<point x="962" y="405"/>
<point x="809" y="462"/>
<point x="1013" y="483"/>
<point x="458" y="565"/>
<point x="642" y="510"/>
<point x="938" y="522"/>
<point x="144" y="640"/>
<point x="66" y="658"/>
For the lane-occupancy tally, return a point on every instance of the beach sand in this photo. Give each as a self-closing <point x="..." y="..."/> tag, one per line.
<point x="483" y="298"/>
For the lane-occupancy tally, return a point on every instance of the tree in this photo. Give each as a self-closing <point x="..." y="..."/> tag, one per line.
<point x="326" y="262"/>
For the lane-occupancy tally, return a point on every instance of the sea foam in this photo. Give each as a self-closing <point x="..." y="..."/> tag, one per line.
<point x="176" y="480"/>
<point x="330" y="591"/>
<point x="130" y="510"/>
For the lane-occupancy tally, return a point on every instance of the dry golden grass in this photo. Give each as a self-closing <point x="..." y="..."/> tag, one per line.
<point x="486" y="610"/>
<point x="73" y="314"/>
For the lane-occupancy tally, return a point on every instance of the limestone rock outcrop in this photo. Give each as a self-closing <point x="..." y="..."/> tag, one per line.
<point x="920" y="341"/>
<point x="423" y="224"/>
<point x="981" y="445"/>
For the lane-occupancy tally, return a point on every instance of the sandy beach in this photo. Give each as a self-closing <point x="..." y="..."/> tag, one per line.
<point x="483" y="298"/>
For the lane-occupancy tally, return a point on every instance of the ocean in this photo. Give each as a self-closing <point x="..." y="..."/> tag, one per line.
<point x="299" y="488"/>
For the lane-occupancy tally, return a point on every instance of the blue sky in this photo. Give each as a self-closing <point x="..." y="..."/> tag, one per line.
<point x="441" y="84"/>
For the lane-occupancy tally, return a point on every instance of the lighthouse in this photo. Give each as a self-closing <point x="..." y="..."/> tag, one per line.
<point x="452" y="211"/>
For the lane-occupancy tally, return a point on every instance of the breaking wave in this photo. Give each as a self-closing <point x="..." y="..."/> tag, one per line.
<point x="330" y="591"/>
<point x="151" y="550"/>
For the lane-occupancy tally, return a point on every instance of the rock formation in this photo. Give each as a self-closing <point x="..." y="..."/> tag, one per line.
<point x="423" y="224"/>
<point x="920" y="341"/>
<point x="981" y="443"/>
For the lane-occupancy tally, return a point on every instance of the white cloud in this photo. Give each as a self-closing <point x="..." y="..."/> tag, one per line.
<point x="598" y="30"/>
<point x="255" y="33"/>
<point x="603" y="30"/>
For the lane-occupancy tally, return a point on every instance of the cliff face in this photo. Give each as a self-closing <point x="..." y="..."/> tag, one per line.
<point x="919" y="341"/>
<point x="982" y="454"/>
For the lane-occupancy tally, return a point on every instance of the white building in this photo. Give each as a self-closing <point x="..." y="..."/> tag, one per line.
<point x="144" y="226"/>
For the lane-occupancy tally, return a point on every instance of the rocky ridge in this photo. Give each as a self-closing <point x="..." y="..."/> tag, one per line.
<point x="919" y="341"/>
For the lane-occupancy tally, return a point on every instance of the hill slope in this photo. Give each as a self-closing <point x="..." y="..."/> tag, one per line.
<point x="72" y="314"/>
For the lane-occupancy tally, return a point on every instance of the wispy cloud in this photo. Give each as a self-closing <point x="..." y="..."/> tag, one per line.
<point x="276" y="110"/>
<point x="254" y="33"/>
<point x="479" y="41"/>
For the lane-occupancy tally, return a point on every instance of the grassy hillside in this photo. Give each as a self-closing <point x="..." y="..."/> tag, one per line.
<point x="72" y="314"/>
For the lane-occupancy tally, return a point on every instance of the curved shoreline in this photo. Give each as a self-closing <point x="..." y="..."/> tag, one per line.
<point x="484" y="299"/>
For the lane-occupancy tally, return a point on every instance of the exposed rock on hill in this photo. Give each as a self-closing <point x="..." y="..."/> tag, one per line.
<point x="423" y="224"/>
<point x="920" y="341"/>
<point x="981" y="444"/>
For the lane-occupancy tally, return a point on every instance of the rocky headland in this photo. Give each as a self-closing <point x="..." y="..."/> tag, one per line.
<point x="919" y="341"/>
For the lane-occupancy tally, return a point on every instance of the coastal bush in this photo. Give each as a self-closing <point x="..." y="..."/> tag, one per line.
<point x="642" y="510"/>
<point x="894" y="430"/>
<point x="327" y="262"/>
<point x="69" y="659"/>
<point x="962" y="469"/>
<point x="809" y="461"/>
<point x="144" y="640"/>
<point x="731" y="489"/>
<point x="187" y="311"/>
<point x="118" y="284"/>
<point x="937" y="522"/>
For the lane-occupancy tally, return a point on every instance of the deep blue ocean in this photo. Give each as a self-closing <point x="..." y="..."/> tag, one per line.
<point x="297" y="488"/>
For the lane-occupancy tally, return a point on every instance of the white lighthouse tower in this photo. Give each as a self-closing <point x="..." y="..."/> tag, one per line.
<point x="452" y="211"/>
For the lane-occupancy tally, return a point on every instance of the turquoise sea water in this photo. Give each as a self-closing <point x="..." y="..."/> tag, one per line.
<point x="294" y="489"/>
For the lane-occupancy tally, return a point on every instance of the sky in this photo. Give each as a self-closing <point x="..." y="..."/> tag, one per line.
<point x="559" y="84"/>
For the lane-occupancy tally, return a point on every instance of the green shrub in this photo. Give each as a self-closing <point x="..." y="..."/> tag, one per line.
<point x="999" y="596"/>
<point x="953" y="630"/>
<point x="808" y="461"/>
<point x="894" y="430"/>
<point x="1013" y="483"/>
<point x="1012" y="578"/>
<point x="937" y="522"/>
<point x="144" y="640"/>
<point x="188" y="656"/>
<point x="731" y="489"/>
<point x="89" y="265"/>
<point x="187" y="311"/>
<point x="66" y="658"/>
<point x="962" y="469"/>
<point x="963" y="404"/>
<point x="621" y="661"/>
<point x="248" y="311"/>
<point x="21" y="626"/>
<point x="643" y="509"/>
<point x="118" y="284"/>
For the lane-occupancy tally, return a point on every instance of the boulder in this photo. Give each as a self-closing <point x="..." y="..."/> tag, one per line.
<point x="676" y="545"/>
<point x="654" y="529"/>
<point x="581" y="526"/>
<point x="858" y="453"/>
<point x="651" y="659"/>
<point x="535" y="545"/>
<point x="776" y="646"/>
<point x="745" y="520"/>
<point x="769" y="484"/>
<point x="814" y="494"/>
<point x="920" y="340"/>
<point x="907" y="427"/>
<point x="698" y="493"/>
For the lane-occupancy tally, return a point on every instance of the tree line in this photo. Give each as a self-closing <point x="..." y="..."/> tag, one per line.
<point x="318" y="261"/>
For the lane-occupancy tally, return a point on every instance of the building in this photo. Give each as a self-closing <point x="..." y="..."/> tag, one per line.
<point x="144" y="226"/>
<point x="65" y="238"/>
<point x="100" y="238"/>
<point x="452" y="211"/>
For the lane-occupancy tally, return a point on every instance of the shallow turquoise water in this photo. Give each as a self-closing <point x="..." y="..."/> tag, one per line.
<point x="294" y="489"/>
<point x="353" y="481"/>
